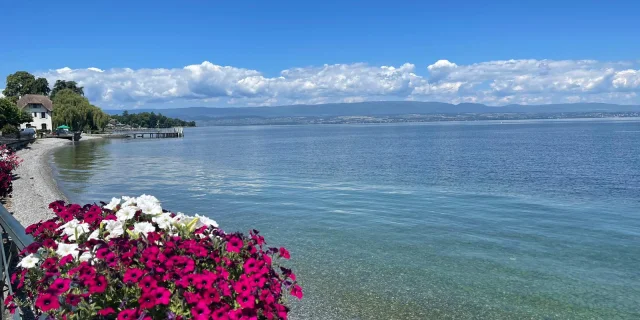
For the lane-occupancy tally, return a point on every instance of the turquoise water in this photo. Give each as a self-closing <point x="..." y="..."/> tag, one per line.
<point x="479" y="220"/>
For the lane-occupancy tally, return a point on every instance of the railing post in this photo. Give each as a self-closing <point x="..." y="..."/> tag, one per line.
<point x="14" y="239"/>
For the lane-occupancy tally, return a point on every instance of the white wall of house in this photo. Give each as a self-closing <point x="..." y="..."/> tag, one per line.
<point x="41" y="116"/>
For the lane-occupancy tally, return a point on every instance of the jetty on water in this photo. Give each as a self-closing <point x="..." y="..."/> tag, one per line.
<point x="155" y="133"/>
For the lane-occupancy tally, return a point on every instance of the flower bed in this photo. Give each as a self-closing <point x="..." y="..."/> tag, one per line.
<point x="130" y="259"/>
<point x="9" y="161"/>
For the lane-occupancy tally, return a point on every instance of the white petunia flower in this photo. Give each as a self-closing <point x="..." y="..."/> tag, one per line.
<point x="128" y="201"/>
<point x="150" y="208"/>
<point x="85" y="256"/>
<point x="148" y="198"/>
<point x="94" y="235"/>
<point x="126" y="213"/>
<point x="65" y="249"/>
<point x="73" y="228"/>
<point x="115" y="228"/>
<point x="164" y="221"/>
<point x="143" y="227"/>
<point x="205" y="221"/>
<point x="113" y="204"/>
<point x="28" y="262"/>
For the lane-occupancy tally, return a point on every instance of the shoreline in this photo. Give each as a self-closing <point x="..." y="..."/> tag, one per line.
<point x="35" y="186"/>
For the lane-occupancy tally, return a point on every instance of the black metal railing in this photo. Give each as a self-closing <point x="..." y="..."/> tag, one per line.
<point x="14" y="239"/>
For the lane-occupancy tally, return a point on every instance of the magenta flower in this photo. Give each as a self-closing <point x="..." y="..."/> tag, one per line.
<point x="234" y="244"/>
<point x="132" y="276"/>
<point x="284" y="253"/>
<point x="97" y="285"/>
<point x="246" y="300"/>
<point x="208" y="273"/>
<point x="128" y="314"/>
<point x="162" y="295"/>
<point x="147" y="300"/>
<point x="60" y="285"/>
<point x="73" y="299"/>
<point x="47" y="301"/>
<point x="106" y="312"/>
<point x="200" y="310"/>
<point x="296" y="291"/>
<point x="148" y="283"/>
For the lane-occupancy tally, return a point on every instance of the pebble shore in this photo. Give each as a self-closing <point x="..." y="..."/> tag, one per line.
<point x="35" y="186"/>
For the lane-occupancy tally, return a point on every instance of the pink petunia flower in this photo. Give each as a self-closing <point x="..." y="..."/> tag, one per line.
<point x="246" y="301"/>
<point x="201" y="311"/>
<point x="97" y="285"/>
<point x="234" y="244"/>
<point x="148" y="283"/>
<point x="128" y="314"/>
<point x="60" y="285"/>
<point x="296" y="291"/>
<point x="47" y="301"/>
<point x="132" y="276"/>
<point x="284" y="253"/>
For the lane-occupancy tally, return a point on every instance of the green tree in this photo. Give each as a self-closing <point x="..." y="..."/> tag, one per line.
<point x="75" y="111"/>
<point x="11" y="115"/>
<point x="22" y="82"/>
<point x="151" y="120"/>
<point x="63" y="84"/>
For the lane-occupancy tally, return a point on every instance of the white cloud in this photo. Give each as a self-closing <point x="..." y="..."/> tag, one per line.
<point x="492" y="82"/>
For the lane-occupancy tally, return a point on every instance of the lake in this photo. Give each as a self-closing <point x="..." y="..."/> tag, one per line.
<point x="472" y="220"/>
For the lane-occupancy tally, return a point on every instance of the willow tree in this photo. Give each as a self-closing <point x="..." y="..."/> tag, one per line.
<point x="74" y="110"/>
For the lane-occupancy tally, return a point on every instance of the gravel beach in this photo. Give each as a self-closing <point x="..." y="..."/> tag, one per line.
<point x="35" y="187"/>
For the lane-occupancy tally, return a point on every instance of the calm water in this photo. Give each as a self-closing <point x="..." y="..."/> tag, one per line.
<point x="525" y="220"/>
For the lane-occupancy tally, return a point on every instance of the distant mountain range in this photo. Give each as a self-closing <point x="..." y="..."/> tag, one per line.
<point x="376" y="109"/>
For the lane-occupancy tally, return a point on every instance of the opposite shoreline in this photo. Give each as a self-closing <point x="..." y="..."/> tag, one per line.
<point x="35" y="186"/>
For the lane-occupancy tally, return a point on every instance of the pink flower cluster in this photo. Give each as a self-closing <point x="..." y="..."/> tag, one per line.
<point x="159" y="265"/>
<point x="9" y="161"/>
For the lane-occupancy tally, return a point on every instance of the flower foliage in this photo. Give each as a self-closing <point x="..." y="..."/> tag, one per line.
<point x="9" y="161"/>
<point x="130" y="259"/>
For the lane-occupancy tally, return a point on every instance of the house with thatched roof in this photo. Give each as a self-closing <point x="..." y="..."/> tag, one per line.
<point x="40" y="108"/>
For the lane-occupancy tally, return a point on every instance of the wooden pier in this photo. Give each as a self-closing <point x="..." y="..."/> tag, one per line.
<point x="150" y="133"/>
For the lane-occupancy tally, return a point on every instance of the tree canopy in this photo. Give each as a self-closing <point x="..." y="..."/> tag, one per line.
<point x="74" y="110"/>
<point x="22" y="82"/>
<point x="10" y="114"/>
<point x="151" y="120"/>
<point x="63" y="84"/>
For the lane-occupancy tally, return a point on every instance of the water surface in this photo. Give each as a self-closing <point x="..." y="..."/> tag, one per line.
<point x="479" y="220"/>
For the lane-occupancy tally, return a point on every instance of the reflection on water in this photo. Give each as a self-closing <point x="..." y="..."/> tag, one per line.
<point x="82" y="162"/>
<point x="475" y="221"/>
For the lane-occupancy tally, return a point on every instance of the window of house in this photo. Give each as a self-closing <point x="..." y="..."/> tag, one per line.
<point x="43" y="115"/>
<point x="35" y="114"/>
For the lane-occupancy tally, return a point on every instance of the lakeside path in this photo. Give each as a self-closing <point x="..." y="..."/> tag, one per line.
<point x="35" y="187"/>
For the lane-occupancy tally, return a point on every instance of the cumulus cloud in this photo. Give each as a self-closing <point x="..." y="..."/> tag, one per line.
<point x="492" y="82"/>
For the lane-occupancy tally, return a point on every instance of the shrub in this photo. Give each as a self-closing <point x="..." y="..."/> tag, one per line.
<point x="130" y="259"/>
<point x="9" y="161"/>
<point x="10" y="131"/>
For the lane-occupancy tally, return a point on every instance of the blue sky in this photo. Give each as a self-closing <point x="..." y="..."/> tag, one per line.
<point x="259" y="40"/>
